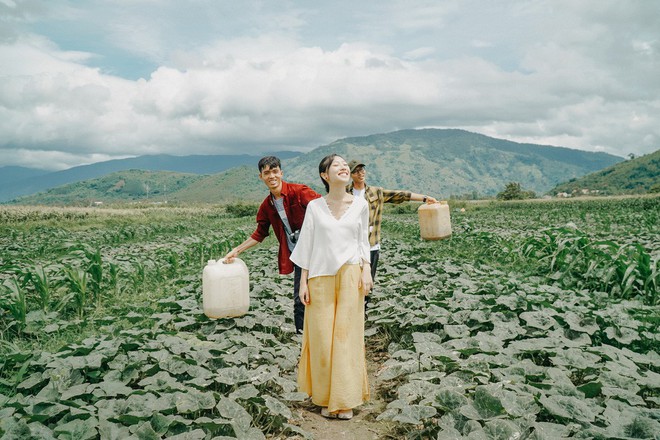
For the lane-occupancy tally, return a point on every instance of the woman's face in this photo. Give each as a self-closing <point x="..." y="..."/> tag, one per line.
<point x="338" y="171"/>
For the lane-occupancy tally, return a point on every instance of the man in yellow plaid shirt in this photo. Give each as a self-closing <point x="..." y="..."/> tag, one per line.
<point x="376" y="197"/>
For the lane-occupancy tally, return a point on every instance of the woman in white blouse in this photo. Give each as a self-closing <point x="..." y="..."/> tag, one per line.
<point x="333" y="252"/>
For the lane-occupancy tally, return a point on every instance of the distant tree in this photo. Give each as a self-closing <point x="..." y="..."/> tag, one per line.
<point x="513" y="191"/>
<point x="631" y="156"/>
<point x="134" y="188"/>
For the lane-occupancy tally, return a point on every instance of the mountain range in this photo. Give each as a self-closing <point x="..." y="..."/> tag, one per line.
<point x="9" y="175"/>
<point x="438" y="162"/>
<point x="451" y="162"/>
<point x="19" y="181"/>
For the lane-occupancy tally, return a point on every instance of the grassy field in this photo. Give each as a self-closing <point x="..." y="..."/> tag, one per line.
<point x="535" y="320"/>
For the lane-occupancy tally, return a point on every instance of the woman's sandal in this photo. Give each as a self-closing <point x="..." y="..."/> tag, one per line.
<point x="346" y="414"/>
<point x="327" y="414"/>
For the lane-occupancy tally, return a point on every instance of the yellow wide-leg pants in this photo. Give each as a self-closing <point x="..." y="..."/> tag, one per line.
<point x="332" y="368"/>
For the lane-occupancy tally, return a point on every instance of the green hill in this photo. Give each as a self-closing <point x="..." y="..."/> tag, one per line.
<point x="438" y="162"/>
<point x="18" y="181"/>
<point x="122" y="186"/>
<point x="452" y="162"/>
<point x="235" y="185"/>
<point x="636" y="176"/>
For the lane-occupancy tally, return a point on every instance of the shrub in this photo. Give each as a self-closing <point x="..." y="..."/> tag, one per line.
<point x="241" y="209"/>
<point x="513" y="191"/>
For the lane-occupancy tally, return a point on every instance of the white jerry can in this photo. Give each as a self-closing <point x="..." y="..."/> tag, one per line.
<point x="225" y="289"/>
<point x="434" y="221"/>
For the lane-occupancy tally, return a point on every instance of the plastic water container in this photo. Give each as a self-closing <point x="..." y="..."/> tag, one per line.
<point x="434" y="221"/>
<point x="225" y="289"/>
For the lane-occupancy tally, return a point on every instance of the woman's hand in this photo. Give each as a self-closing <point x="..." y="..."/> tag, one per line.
<point x="303" y="290"/>
<point x="366" y="283"/>
<point x="304" y="294"/>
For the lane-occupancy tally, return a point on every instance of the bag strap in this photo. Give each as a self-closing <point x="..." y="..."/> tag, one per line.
<point x="285" y="220"/>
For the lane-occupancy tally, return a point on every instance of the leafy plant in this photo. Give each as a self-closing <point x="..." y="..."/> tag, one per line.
<point x="43" y="286"/>
<point x="14" y="299"/>
<point x="535" y="320"/>
<point x="78" y="284"/>
<point x="572" y="257"/>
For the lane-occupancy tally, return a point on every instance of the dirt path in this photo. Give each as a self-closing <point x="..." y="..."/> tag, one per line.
<point x="363" y="425"/>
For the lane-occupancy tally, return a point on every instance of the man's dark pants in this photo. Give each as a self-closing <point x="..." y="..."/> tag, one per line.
<point x="375" y="255"/>
<point x="298" y="306"/>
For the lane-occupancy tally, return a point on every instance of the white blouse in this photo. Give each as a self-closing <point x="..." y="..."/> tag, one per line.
<point x="326" y="244"/>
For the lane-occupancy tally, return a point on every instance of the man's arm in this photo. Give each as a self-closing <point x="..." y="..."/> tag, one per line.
<point x="247" y="244"/>
<point x="414" y="197"/>
<point x="400" y="196"/>
<point x="261" y="232"/>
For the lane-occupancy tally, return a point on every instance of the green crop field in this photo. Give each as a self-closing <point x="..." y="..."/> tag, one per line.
<point x="536" y="320"/>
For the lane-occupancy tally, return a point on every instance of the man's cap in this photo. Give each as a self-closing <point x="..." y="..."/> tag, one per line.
<point x="354" y="164"/>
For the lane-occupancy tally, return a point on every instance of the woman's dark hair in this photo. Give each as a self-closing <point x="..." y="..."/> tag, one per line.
<point x="324" y="166"/>
<point x="270" y="162"/>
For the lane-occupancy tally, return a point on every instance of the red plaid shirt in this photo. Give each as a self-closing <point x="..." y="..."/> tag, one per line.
<point x="296" y="197"/>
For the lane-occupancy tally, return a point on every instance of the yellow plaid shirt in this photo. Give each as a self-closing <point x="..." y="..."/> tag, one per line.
<point x="376" y="197"/>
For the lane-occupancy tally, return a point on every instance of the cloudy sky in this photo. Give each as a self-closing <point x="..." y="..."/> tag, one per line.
<point x="85" y="81"/>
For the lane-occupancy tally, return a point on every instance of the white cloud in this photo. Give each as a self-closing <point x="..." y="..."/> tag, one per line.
<point x="481" y="43"/>
<point x="22" y="10"/>
<point x="55" y="160"/>
<point x="419" y="14"/>
<point x="584" y="80"/>
<point x="418" y="53"/>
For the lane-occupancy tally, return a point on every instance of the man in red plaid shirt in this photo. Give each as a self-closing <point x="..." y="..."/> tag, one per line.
<point x="284" y="210"/>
